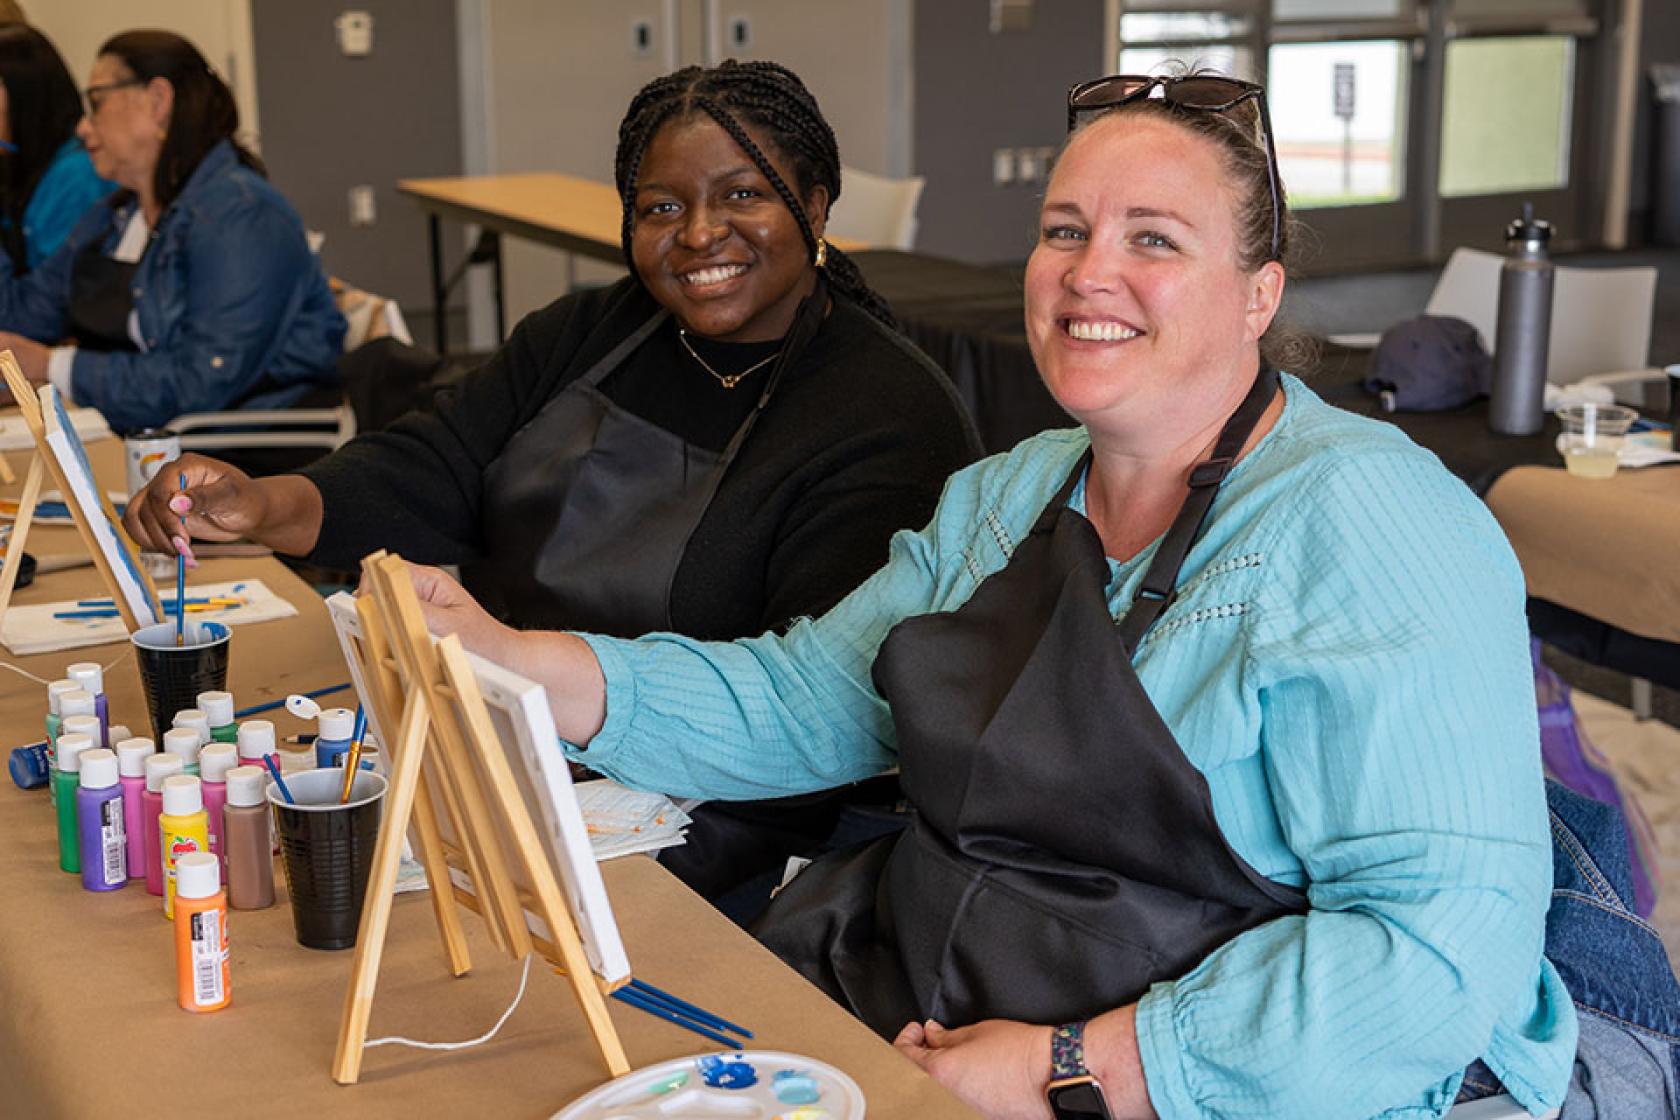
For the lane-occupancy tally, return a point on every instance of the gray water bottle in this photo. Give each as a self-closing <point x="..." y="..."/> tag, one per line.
<point x="1517" y="397"/>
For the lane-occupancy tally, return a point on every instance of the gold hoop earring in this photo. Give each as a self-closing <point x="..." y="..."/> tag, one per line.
<point x="822" y="252"/>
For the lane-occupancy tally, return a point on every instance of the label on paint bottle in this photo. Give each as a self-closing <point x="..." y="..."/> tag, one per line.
<point x="113" y="840"/>
<point x="207" y="954"/>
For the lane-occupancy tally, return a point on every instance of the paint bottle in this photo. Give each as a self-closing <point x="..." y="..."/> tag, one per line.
<point x="55" y="721"/>
<point x="65" y="780"/>
<point x="74" y="703"/>
<point x="248" y="851"/>
<point x="91" y="679"/>
<point x="195" y="719"/>
<point x="256" y="741"/>
<point x="201" y="940"/>
<point x="332" y="743"/>
<point x="99" y="816"/>
<point x="214" y="762"/>
<point x="218" y="711"/>
<point x="31" y="767"/>
<point x="159" y="768"/>
<point x="132" y="754"/>
<point x="182" y="828"/>
<point x="185" y="743"/>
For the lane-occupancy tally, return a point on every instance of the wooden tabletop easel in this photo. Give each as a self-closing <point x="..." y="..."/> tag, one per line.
<point x="442" y="758"/>
<point x="45" y="461"/>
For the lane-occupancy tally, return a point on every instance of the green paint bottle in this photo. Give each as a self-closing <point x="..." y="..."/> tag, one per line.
<point x="66" y="776"/>
<point x="218" y="709"/>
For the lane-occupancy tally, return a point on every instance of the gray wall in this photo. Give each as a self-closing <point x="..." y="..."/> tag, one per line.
<point x="975" y="92"/>
<point x="330" y="122"/>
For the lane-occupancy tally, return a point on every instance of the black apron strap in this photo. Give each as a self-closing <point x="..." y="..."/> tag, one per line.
<point x="1157" y="590"/>
<point x="615" y="357"/>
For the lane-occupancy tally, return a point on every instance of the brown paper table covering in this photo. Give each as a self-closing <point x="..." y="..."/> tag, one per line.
<point x="88" y="1020"/>
<point x="1606" y="548"/>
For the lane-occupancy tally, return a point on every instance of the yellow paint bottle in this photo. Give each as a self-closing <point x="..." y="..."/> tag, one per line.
<point x="183" y="827"/>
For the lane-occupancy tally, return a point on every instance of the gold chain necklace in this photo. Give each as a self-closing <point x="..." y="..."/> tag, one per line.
<point x="728" y="381"/>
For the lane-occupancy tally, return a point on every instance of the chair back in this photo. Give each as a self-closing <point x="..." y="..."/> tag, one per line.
<point x="1601" y="317"/>
<point x="875" y="210"/>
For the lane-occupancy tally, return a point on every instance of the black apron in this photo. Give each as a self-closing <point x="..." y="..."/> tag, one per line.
<point x="589" y="508"/>
<point x="1064" y="853"/>
<point x="101" y="298"/>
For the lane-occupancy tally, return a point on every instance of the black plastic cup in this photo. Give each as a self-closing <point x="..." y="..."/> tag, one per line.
<point x="173" y="675"/>
<point x="327" y="849"/>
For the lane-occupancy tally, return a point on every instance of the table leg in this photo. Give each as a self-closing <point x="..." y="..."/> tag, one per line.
<point x="440" y="294"/>
<point x="496" y="265"/>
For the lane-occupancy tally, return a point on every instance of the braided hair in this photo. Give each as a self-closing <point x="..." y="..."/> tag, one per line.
<point x="772" y="99"/>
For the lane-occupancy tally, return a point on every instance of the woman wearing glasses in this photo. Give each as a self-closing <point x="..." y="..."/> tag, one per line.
<point x="193" y="288"/>
<point x="46" y="179"/>
<point x="1198" y="705"/>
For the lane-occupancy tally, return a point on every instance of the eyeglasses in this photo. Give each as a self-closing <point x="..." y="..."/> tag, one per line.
<point x="1195" y="93"/>
<point x="93" y="102"/>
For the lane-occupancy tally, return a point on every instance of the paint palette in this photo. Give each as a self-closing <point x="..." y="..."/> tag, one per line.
<point x="729" y="1085"/>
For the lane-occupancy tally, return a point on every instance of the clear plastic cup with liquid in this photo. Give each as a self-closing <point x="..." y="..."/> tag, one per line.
<point x="1592" y="437"/>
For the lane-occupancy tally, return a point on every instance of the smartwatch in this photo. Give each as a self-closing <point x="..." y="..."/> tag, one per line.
<point x="1074" y="1093"/>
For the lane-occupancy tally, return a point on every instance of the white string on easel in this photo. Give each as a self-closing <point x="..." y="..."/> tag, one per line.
<point x="398" y="1040"/>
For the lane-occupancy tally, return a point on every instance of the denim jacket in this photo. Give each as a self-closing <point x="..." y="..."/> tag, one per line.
<point x="233" y="308"/>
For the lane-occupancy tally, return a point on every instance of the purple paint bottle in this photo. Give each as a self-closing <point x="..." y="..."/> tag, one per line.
<point x="99" y="817"/>
<point x="131" y="769"/>
<point x="91" y="679"/>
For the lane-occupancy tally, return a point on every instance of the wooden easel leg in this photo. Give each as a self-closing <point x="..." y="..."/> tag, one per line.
<point x="20" y="532"/>
<point x="376" y="904"/>
<point x="443" y="891"/>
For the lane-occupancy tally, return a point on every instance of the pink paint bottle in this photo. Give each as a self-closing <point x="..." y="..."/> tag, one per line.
<point x="131" y="770"/>
<point x="214" y="762"/>
<point x="99" y="817"/>
<point x="91" y="679"/>
<point x="158" y="767"/>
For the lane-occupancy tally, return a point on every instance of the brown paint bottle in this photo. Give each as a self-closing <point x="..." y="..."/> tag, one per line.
<point x="245" y="840"/>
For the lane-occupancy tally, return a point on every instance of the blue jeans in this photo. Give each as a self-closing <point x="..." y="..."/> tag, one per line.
<point x="1627" y="1064"/>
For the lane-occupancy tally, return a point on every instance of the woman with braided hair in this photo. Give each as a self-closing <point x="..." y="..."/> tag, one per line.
<point x="720" y="443"/>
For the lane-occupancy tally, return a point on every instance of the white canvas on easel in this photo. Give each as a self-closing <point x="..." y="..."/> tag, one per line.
<point x="524" y="728"/>
<point x="59" y="452"/>
<point x="457" y="770"/>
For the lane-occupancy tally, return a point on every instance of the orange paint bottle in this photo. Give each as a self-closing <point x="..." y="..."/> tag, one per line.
<point x="201" y="939"/>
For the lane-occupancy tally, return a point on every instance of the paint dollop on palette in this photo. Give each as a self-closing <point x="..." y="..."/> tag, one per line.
<point x="728" y="1085"/>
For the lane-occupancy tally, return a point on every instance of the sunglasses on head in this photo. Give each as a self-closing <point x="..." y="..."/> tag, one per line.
<point x="1194" y="93"/>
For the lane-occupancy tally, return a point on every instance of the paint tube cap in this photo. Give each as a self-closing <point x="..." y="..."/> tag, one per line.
<point x="87" y="675"/>
<point x="132" y="755"/>
<point x="159" y="767"/>
<point x="70" y="748"/>
<point x="216" y="760"/>
<point x="336" y="723"/>
<point x="217" y="707"/>
<point x="98" y="768"/>
<point x="76" y="701"/>
<point x="117" y="732"/>
<point x="55" y="695"/>
<point x="256" y="738"/>
<point x="183" y="741"/>
<point x="197" y="875"/>
<point x="182" y="795"/>
<point x="247" y="786"/>
<point x="81" y="725"/>
<point x="195" y="719"/>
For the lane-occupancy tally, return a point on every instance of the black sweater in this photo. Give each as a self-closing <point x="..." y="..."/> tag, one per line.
<point x="855" y="444"/>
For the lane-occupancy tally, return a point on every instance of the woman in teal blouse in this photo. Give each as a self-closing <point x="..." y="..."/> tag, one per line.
<point x="47" y="181"/>
<point x="1215" y="712"/>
